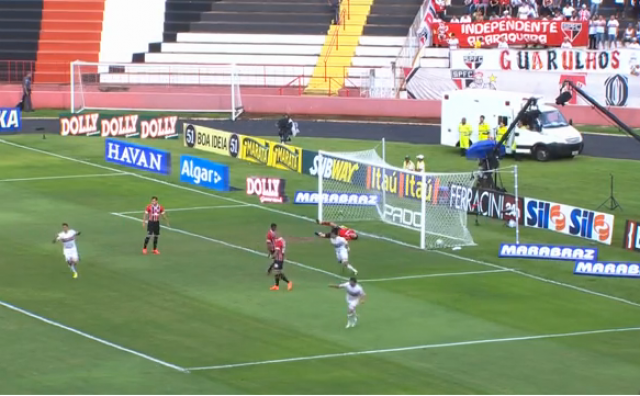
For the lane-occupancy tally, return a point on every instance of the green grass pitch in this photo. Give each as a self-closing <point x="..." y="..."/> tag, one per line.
<point x="205" y="301"/>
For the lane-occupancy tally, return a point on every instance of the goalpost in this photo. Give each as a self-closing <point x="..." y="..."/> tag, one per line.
<point x="425" y="203"/>
<point x="155" y="87"/>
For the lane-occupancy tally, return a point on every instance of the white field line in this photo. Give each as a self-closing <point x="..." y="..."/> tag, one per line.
<point x="437" y="275"/>
<point x="416" y="347"/>
<point x="89" y="336"/>
<point x="231" y="245"/>
<point x="268" y="209"/>
<point x="62" y="177"/>
<point x="187" y="209"/>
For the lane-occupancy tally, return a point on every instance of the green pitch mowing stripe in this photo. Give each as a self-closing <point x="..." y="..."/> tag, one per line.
<point x="416" y="347"/>
<point x="89" y="336"/>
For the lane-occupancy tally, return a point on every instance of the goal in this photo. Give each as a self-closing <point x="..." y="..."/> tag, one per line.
<point x="155" y="87"/>
<point x="384" y="197"/>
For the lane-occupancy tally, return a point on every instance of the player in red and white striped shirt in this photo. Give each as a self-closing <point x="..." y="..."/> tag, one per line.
<point x="277" y="267"/>
<point x="151" y="220"/>
<point x="271" y="237"/>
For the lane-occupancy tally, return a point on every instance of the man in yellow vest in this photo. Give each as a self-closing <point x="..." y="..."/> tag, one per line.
<point x="502" y="129"/>
<point x="465" y="136"/>
<point x="484" y="132"/>
<point x="408" y="164"/>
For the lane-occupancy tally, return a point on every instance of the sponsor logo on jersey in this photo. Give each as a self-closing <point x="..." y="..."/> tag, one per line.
<point x="548" y="252"/>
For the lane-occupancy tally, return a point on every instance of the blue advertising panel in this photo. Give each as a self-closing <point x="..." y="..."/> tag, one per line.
<point x="10" y="119"/>
<point x="547" y="252"/>
<point x="136" y="156"/>
<point x="605" y="268"/>
<point x="205" y="173"/>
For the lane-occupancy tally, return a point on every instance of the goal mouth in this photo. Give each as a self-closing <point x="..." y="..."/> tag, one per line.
<point x="177" y="88"/>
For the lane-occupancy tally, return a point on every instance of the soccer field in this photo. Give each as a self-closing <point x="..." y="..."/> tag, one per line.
<point x="200" y="319"/>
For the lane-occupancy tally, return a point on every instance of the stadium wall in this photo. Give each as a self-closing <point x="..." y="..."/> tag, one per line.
<point x="305" y="105"/>
<point x="124" y="33"/>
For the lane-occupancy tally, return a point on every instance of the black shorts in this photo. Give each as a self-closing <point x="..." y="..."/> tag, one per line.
<point x="153" y="228"/>
<point x="277" y="265"/>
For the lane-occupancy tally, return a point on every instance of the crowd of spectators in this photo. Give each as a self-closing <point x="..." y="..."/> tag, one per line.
<point x="604" y="33"/>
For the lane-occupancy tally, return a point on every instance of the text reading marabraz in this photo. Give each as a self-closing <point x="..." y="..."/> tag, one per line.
<point x="549" y="252"/>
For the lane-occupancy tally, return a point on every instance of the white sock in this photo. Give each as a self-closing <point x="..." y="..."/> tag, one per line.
<point x="73" y="268"/>
<point x="351" y="320"/>
<point x="350" y="267"/>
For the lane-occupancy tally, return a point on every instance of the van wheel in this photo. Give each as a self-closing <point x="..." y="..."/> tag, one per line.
<point x="541" y="153"/>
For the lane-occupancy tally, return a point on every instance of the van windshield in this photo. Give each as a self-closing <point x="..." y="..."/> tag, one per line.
<point x="552" y="119"/>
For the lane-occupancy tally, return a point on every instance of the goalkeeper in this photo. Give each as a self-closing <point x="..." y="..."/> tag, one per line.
<point x="345" y="232"/>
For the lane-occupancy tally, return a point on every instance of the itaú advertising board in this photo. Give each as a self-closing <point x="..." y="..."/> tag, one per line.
<point x="568" y="220"/>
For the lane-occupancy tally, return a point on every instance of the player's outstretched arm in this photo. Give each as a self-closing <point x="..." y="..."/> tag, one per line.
<point x="335" y="286"/>
<point x="166" y="219"/>
<point x="322" y="234"/>
<point x="56" y="239"/>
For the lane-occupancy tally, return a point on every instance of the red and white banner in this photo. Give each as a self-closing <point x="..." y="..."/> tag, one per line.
<point x="623" y="61"/>
<point x="515" y="31"/>
<point x="614" y="89"/>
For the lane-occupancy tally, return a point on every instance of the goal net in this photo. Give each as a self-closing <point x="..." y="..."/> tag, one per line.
<point x="394" y="202"/>
<point x="155" y="87"/>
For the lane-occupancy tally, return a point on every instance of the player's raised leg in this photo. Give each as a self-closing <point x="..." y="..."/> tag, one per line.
<point x="71" y="256"/>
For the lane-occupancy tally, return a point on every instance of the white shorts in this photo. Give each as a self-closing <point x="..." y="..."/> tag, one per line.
<point x="342" y="255"/>
<point x="353" y="304"/>
<point x="71" y="255"/>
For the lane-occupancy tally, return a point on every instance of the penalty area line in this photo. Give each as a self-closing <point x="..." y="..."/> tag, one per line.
<point x="231" y="245"/>
<point x="93" y="338"/>
<point x="188" y="209"/>
<point x="437" y="275"/>
<point x="415" y="348"/>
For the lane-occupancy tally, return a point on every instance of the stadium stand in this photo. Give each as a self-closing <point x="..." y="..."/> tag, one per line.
<point x="70" y="30"/>
<point x="275" y="48"/>
<point x="19" y="34"/>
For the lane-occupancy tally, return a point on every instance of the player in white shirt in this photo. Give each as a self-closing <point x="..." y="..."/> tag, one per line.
<point x="342" y="250"/>
<point x="69" y="248"/>
<point x="355" y="297"/>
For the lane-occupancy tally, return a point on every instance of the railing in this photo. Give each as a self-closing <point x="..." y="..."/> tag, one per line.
<point x="13" y="71"/>
<point x="334" y="39"/>
<point x="336" y="87"/>
<point x="269" y="79"/>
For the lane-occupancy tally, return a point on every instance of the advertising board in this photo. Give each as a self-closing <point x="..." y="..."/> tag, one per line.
<point x="569" y="220"/>
<point x="10" y="120"/>
<point x="124" y="125"/>
<point x="205" y="173"/>
<point x="136" y="156"/>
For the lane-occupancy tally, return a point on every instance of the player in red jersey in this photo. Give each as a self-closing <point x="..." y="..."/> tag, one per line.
<point x="345" y="232"/>
<point x="271" y="237"/>
<point x="277" y="267"/>
<point x="151" y="220"/>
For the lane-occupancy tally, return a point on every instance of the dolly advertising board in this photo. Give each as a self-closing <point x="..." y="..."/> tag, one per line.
<point x="569" y="220"/>
<point x="124" y="125"/>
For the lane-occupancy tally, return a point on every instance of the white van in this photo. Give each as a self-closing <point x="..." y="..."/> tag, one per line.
<point x="556" y="137"/>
